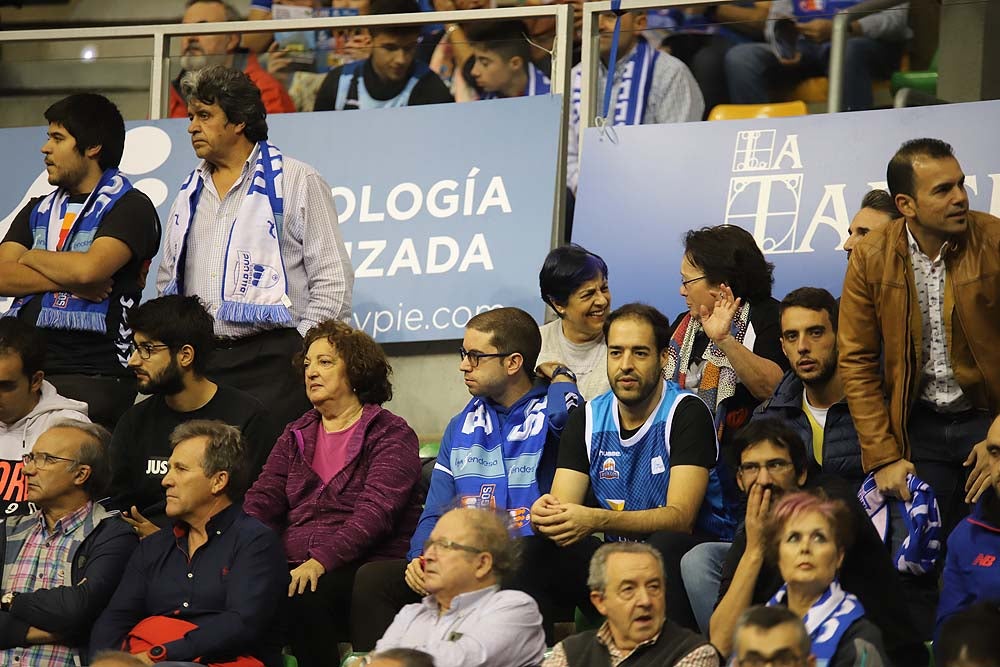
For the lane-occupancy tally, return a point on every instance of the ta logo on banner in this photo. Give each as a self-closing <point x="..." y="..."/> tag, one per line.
<point x="765" y="195"/>
<point x="766" y="201"/>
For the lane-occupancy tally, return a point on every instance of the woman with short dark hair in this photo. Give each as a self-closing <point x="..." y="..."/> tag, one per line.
<point x="340" y="485"/>
<point x="574" y="283"/>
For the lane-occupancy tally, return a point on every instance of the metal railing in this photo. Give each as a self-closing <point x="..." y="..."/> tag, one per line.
<point x="162" y="34"/>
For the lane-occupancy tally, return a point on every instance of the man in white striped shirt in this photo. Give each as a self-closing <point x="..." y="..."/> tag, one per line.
<point x="257" y="238"/>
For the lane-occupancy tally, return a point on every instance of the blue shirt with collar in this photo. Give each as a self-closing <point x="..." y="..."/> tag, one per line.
<point x="231" y="589"/>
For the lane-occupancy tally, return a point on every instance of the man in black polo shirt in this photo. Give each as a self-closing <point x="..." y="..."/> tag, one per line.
<point x="209" y="588"/>
<point x="77" y="258"/>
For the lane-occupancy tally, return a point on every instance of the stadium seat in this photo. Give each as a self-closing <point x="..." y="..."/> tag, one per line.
<point x="429" y="450"/>
<point x="290" y="661"/>
<point x="923" y="80"/>
<point x="744" y="111"/>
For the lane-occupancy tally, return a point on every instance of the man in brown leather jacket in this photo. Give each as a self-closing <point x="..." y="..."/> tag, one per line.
<point x="922" y="298"/>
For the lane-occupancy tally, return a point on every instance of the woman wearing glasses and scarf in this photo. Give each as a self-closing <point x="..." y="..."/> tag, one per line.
<point x="726" y="347"/>
<point x="340" y="485"/>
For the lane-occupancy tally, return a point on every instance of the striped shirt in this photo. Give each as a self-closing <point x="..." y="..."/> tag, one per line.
<point x="674" y="97"/>
<point x="318" y="270"/>
<point x="44" y="562"/>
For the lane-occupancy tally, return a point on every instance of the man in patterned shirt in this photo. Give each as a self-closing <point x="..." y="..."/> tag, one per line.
<point x="62" y="563"/>
<point x="627" y="586"/>
<point x="254" y="233"/>
<point x="921" y="299"/>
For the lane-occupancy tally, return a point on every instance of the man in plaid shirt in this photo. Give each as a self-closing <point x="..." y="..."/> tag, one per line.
<point x="60" y="564"/>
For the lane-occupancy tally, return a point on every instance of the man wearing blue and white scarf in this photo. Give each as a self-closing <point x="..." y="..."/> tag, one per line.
<point x="501" y="61"/>
<point x="76" y="258"/>
<point x="499" y="453"/>
<point x="650" y="86"/>
<point x="254" y="233"/>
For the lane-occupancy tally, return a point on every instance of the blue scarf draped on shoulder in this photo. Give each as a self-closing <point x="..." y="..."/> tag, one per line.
<point x="501" y="463"/>
<point x="63" y="310"/>
<point x="827" y="620"/>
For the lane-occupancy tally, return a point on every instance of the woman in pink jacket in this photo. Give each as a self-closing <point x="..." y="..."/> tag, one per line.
<point x="340" y="486"/>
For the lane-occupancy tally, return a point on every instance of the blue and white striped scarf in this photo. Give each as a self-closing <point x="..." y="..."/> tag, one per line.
<point x="635" y="83"/>
<point x="255" y="287"/>
<point x="921" y="547"/>
<point x="827" y="620"/>
<point x="63" y="310"/>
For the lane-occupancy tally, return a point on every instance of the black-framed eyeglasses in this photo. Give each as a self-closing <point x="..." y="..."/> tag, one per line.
<point x="774" y="467"/>
<point x="685" y="283"/>
<point x="146" y="350"/>
<point x="450" y="546"/>
<point x="41" y="460"/>
<point x="475" y="357"/>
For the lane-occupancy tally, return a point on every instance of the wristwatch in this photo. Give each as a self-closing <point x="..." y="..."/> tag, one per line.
<point x="7" y="600"/>
<point x="562" y="370"/>
<point x="157" y="653"/>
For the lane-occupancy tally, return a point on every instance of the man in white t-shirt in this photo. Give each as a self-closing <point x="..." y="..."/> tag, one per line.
<point x="810" y="397"/>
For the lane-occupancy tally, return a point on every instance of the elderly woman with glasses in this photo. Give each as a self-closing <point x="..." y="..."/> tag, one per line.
<point x="574" y="284"/>
<point x="340" y="485"/>
<point x="726" y="346"/>
<point x="807" y="536"/>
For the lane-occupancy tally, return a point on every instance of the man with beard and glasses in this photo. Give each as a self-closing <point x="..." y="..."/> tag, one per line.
<point x="773" y="462"/>
<point x="200" y="51"/>
<point x="647" y="452"/>
<point x="173" y="344"/>
<point x="810" y="397"/>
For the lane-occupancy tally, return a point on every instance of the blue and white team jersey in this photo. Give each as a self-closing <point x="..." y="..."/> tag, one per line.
<point x="634" y="474"/>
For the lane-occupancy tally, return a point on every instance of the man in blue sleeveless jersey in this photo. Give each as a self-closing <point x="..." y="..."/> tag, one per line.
<point x="390" y="77"/>
<point x="647" y="451"/>
<point x="77" y="258"/>
<point x="499" y="452"/>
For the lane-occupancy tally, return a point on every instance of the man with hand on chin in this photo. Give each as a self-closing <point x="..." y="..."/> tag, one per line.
<point x="647" y="451"/>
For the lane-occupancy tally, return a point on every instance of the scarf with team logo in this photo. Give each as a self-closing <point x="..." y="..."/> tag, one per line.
<point x="538" y="84"/>
<point x="827" y="620"/>
<point x="63" y="310"/>
<point x="254" y="288"/>
<point x="633" y="86"/>
<point x="718" y="380"/>
<point x="921" y="546"/>
<point x="497" y="466"/>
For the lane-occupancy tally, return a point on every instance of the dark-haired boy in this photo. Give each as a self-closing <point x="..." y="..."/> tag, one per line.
<point x="173" y="345"/>
<point x="77" y="258"/>
<point x="502" y="64"/>
<point x="391" y="76"/>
